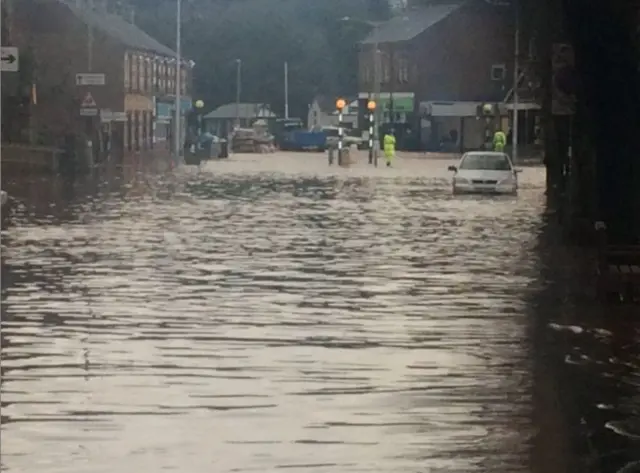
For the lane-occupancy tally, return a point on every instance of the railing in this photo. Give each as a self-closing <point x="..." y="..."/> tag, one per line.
<point x="24" y="158"/>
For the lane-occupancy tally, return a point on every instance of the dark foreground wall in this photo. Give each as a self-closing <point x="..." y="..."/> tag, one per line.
<point x="604" y="37"/>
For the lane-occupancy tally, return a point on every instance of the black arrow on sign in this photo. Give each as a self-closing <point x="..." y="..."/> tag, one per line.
<point x="10" y="58"/>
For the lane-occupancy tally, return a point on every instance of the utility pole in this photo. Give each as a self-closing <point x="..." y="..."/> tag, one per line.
<point x="238" y="84"/>
<point x="90" y="39"/>
<point x="286" y="90"/>
<point x="516" y="77"/>
<point x="177" y="132"/>
<point x="376" y="95"/>
<point x="90" y="120"/>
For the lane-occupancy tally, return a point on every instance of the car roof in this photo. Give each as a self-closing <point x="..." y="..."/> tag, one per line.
<point x="485" y="153"/>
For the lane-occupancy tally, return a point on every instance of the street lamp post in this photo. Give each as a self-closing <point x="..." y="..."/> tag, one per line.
<point x="177" y="133"/>
<point x="238" y="85"/>
<point x="376" y="98"/>
<point x="199" y="104"/>
<point x="516" y="77"/>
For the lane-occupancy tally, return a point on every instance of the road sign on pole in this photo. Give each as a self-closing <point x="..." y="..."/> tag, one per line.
<point x="10" y="59"/>
<point x="89" y="101"/>
<point x="90" y="79"/>
<point x="88" y="108"/>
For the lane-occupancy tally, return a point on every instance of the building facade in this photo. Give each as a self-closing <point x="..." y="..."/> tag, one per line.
<point x="437" y="64"/>
<point x="126" y="109"/>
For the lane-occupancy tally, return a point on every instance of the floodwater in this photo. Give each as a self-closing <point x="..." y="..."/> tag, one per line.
<point x="269" y="312"/>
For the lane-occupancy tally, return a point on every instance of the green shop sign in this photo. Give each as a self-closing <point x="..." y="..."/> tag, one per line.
<point x="400" y="104"/>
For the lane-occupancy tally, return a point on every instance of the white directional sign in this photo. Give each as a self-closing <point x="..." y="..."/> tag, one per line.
<point x="90" y="79"/>
<point x="10" y="59"/>
<point x="88" y="112"/>
<point x="107" y="115"/>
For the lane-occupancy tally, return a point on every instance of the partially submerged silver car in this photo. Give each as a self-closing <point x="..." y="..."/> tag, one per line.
<point x="485" y="172"/>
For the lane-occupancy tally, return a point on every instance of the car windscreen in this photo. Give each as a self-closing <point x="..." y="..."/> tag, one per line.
<point x="486" y="162"/>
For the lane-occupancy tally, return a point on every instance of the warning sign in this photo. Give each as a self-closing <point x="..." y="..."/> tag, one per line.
<point x="88" y="101"/>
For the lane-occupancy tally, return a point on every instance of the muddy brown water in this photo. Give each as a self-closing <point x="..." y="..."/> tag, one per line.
<point x="269" y="312"/>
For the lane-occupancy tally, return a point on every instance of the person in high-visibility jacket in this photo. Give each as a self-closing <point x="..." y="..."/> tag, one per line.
<point x="389" y="142"/>
<point x="499" y="141"/>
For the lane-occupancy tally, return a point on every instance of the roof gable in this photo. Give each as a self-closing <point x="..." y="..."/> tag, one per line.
<point x="243" y="110"/>
<point x="412" y="23"/>
<point x="119" y="29"/>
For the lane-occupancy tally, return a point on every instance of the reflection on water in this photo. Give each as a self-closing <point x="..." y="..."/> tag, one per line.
<point x="596" y="355"/>
<point x="270" y="313"/>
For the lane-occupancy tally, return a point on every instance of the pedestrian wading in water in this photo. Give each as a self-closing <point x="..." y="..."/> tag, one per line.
<point x="389" y="147"/>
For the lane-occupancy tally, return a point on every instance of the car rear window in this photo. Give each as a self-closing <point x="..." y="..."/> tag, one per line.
<point x="486" y="162"/>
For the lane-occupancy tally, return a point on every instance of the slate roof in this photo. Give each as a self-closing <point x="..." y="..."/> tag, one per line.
<point x="247" y="110"/>
<point x="119" y="29"/>
<point x="411" y="23"/>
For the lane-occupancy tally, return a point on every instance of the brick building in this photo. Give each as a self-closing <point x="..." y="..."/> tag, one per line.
<point x="437" y="63"/>
<point x="58" y="39"/>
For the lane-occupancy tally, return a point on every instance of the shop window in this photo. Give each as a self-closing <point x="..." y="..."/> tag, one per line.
<point x="127" y="133"/>
<point x="152" y="131"/>
<point x="145" y="134"/>
<point x="136" y="130"/>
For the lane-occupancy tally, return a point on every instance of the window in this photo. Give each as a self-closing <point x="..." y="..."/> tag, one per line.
<point x="183" y="81"/>
<point x="498" y="72"/>
<point x="148" y="74"/>
<point x="127" y="72"/>
<point x="403" y="71"/>
<point x="154" y="76"/>
<point x="386" y="73"/>
<point x="134" y="73"/>
<point x="162" y="79"/>
<point x="142" y="72"/>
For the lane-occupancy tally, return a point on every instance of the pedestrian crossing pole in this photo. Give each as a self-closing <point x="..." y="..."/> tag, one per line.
<point x="340" y="104"/>
<point x="371" y="106"/>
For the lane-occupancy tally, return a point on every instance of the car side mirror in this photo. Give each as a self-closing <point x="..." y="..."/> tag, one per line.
<point x="452" y="168"/>
<point x="517" y="170"/>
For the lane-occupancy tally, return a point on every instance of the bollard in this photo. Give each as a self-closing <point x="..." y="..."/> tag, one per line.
<point x="345" y="160"/>
<point x="331" y="154"/>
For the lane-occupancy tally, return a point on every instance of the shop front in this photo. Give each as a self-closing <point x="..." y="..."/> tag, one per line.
<point x="397" y="111"/>
<point x="164" y="120"/>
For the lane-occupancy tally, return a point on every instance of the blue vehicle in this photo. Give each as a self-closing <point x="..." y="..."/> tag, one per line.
<point x="292" y="136"/>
